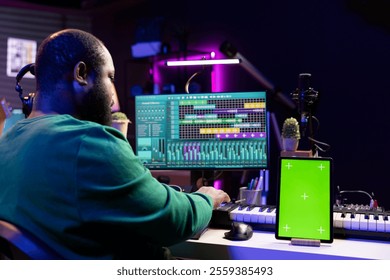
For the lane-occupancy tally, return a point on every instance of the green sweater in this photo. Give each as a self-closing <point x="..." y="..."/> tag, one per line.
<point x="79" y="187"/>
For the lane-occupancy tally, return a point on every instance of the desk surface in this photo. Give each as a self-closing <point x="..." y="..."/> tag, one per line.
<point x="264" y="246"/>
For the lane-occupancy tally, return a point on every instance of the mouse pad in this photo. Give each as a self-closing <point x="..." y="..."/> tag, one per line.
<point x="304" y="199"/>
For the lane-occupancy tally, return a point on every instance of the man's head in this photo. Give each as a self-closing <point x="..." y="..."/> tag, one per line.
<point x="74" y="74"/>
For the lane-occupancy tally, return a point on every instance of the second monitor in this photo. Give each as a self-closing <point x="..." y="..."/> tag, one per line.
<point x="202" y="131"/>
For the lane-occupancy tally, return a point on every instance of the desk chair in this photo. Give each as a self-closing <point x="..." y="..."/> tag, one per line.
<point x="18" y="244"/>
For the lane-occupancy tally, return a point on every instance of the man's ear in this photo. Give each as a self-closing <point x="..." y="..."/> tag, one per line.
<point x="80" y="73"/>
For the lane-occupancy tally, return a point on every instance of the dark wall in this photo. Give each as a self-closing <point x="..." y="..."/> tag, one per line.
<point x="339" y="42"/>
<point x="35" y="25"/>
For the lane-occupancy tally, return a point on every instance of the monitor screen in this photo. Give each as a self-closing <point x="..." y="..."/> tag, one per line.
<point x="202" y="131"/>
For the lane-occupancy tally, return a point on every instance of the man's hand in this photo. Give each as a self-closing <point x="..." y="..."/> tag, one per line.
<point x="218" y="196"/>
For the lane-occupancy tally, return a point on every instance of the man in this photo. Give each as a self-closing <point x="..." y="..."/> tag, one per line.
<point x="73" y="181"/>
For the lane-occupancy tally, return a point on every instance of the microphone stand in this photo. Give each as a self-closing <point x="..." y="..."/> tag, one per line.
<point x="230" y="51"/>
<point x="306" y="97"/>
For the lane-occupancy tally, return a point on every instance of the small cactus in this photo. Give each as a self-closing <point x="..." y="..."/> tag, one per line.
<point x="119" y="116"/>
<point x="290" y="129"/>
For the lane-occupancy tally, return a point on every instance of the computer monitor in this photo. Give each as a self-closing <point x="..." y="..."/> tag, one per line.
<point x="202" y="131"/>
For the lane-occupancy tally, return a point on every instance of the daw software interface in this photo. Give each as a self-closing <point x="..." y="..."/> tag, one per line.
<point x="202" y="131"/>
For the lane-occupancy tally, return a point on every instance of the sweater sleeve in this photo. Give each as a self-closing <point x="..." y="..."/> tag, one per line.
<point x="115" y="189"/>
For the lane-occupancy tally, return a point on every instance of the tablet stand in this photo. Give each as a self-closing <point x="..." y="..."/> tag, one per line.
<point x="305" y="242"/>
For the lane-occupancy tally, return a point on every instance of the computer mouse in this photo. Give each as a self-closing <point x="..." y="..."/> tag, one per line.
<point x="239" y="231"/>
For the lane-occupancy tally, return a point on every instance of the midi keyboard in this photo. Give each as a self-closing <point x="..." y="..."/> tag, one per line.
<point x="349" y="221"/>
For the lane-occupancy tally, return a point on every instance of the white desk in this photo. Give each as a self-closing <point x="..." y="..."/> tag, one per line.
<point x="263" y="246"/>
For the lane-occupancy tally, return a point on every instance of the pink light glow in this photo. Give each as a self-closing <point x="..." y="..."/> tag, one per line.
<point x="218" y="184"/>
<point x="219" y="83"/>
<point x="202" y="62"/>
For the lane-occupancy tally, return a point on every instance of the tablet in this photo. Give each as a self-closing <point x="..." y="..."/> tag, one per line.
<point x="305" y="199"/>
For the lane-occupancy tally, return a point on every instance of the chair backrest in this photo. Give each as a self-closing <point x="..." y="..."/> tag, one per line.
<point x="18" y="244"/>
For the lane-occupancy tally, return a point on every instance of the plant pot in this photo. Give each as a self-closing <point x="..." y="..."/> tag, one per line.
<point x="121" y="125"/>
<point x="290" y="144"/>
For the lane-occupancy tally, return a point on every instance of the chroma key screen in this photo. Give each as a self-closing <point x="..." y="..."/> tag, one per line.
<point x="304" y="199"/>
<point x="202" y="130"/>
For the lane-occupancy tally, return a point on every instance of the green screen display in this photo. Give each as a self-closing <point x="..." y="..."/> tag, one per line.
<point x="304" y="209"/>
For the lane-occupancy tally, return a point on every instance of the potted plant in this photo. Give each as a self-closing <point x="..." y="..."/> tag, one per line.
<point x="121" y="122"/>
<point x="290" y="134"/>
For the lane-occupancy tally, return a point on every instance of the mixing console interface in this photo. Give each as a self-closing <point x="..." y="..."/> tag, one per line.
<point x="193" y="131"/>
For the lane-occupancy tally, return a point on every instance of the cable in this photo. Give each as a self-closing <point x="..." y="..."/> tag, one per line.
<point x="373" y="203"/>
<point x="189" y="80"/>
<point x="187" y="85"/>
<point x="317" y="143"/>
<point x="357" y="191"/>
<point x="318" y="122"/>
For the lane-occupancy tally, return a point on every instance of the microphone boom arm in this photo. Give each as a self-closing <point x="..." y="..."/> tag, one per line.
<point x="231" y="52"/>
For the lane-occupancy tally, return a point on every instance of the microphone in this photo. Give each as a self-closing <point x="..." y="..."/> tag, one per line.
<point x="305" y="97"/>
<point x="230" y="51"/>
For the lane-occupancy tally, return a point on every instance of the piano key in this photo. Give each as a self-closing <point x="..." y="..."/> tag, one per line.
<point x="355" y="222"/>
<point x="348" y="220"/>
<point x="233" y="214"/>
<point x="363" y="222"/>
<point x="338" y="220"/>
<point x="387" y="223"/>
<point x="380" y="224"/>
<point x="262" y="215"/>
<point x="257" y="215"/>
<point x="250" y="216"/>
<point x="371" y="223"/>
<point x="238" y="214"/>
<point x="270" y="216"/>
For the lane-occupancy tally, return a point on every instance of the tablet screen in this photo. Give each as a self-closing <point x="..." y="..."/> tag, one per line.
<point x="304" y="199"/>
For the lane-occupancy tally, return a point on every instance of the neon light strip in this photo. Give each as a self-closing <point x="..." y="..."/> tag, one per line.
<point x="202" y="62"/>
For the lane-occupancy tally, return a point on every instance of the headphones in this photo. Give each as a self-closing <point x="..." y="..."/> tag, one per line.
<point x="27" y="101"/>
